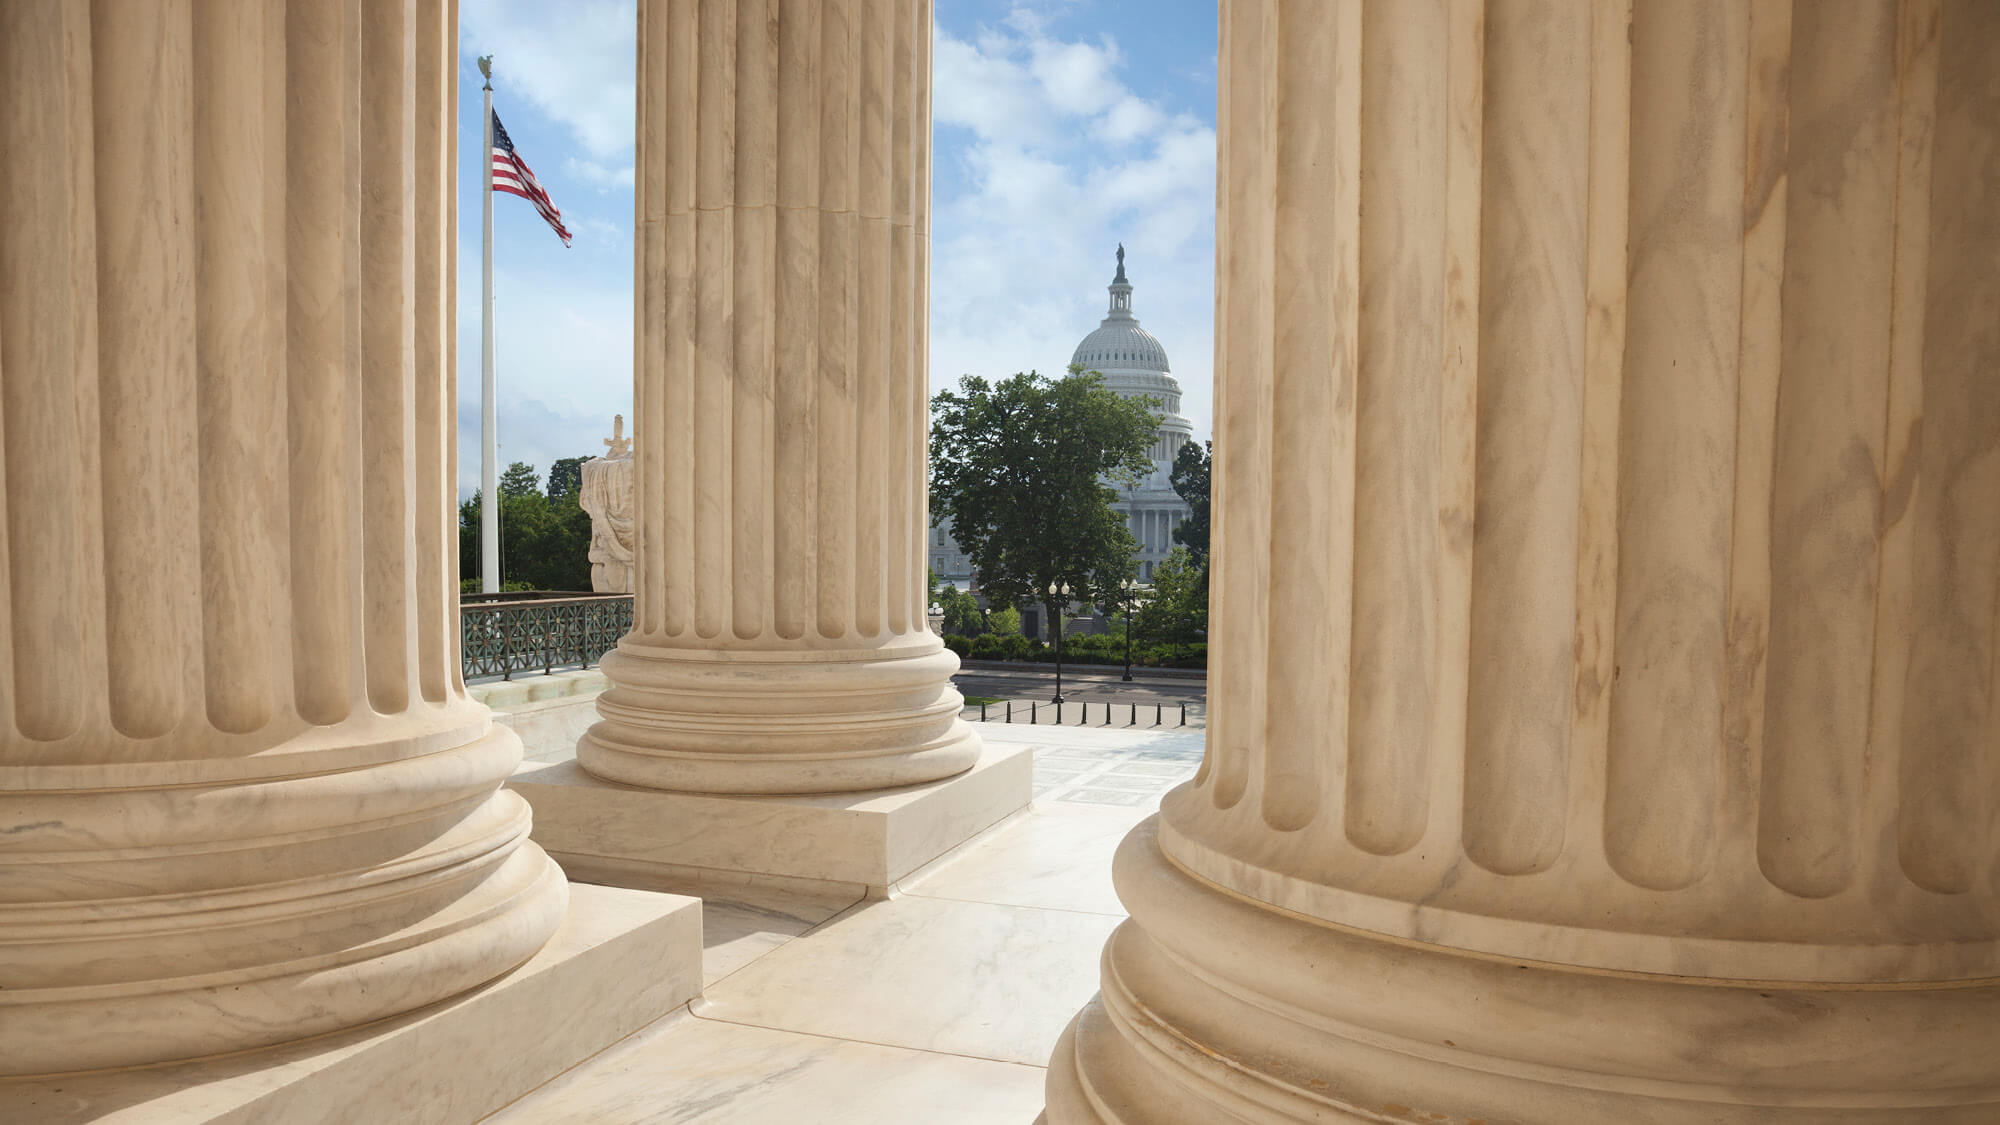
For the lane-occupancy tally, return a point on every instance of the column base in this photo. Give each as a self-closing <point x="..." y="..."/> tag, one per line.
<point x="1217" y="1008"/>
<point x="790" y="721"/>
<point x="868" y="839"/>
<point x="232" y="915"/>
<point x="620" y="960"/>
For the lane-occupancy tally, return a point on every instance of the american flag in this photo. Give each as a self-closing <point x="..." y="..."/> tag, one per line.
<point x="511" y="175"/>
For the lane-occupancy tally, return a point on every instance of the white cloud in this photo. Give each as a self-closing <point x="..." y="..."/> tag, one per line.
<point x="576" y="68"/>
<point x="604" y="177"/>
<point x="1063" y="162"/>
<point x="562" y="364"/>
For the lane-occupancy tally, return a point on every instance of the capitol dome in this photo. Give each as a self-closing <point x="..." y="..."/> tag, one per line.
<point x="1132" y="362"/>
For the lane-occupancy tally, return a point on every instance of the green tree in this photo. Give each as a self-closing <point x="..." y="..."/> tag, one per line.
<point x="1176" y="612"/>
<point x="961" y="612"/>
<point x="519" y="480"/>
<point x="544" y="544"/>
<point x="1004" y="622"/>
<point x="1018" y="467"/>
<point x="1190" y="478"/>
<point x="566" y="480"/>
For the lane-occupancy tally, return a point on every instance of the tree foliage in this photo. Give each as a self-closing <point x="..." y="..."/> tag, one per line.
<point x="1176" y="613"/>
<point x="566" y="480"/>
<point x="961" y="612"/>
<point x="1190" y="478"/>
<point x="1018" y="469"/>
<point x="544" y="541"/>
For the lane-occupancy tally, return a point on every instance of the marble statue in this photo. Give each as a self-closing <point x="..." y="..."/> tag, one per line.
<point x="607" y="496"/>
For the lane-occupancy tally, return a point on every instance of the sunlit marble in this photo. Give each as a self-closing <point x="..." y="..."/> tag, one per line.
<point x="693" y="1070"/>
<point x="621" y="960"/>
<point x="930" y="973"/>
<point x="870" y="837"/>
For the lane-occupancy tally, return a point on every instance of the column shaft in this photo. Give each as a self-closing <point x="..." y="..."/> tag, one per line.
<point x="779" y="642"/>
<point x="1604" y="623"/>
<point x="244" y="796"/>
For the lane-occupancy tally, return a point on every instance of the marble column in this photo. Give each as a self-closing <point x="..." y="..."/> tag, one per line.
<point x="244" y="797"/>
<point x="1604" y="719"/>
<point x="779" y="642"/>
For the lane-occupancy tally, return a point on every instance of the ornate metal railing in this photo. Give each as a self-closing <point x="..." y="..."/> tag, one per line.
<point x="501" y="634"/>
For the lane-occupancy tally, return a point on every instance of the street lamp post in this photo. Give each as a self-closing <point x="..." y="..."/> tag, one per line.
<point x="1128" y="587"/>
<point x="1058" y="597"/>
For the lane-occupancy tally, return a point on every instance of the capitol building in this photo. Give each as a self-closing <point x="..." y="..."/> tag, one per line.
<point x="1134" y="365"/>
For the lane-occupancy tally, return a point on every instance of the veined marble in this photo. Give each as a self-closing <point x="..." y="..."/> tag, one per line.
<point x="244" y="796"/>
<point x="1606" y="574"/>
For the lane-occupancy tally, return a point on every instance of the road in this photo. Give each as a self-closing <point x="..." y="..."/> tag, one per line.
<point x="1095" y="685"/>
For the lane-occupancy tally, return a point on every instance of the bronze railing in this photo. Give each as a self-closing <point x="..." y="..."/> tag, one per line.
<point x="501" y="634"/>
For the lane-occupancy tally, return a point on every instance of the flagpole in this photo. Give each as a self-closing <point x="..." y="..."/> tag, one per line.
<point x="489" y="453"/>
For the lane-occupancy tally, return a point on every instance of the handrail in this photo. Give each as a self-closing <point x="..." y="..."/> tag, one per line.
<point x="501" y="634"/>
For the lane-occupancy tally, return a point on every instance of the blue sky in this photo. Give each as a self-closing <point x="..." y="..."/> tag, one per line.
<point x="1062" y="127"/>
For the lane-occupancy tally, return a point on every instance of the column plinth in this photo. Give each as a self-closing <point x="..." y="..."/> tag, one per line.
<point x="1607" y="581"/>
<point x="779" y="641"/>
<point x="244" y="797"/>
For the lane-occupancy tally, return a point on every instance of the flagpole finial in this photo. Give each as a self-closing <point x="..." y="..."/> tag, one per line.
<point x="486" y="69"/>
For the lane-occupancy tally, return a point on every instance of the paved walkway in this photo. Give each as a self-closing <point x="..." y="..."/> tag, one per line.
<point x="940" y="1004"/>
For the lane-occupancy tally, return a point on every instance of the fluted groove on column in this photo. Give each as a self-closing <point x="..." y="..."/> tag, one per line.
<point x="1317" y="196"/>
<point x="1826" y="511"/>
<point x="142" y="105"/>
<point x="321" y="197"/>
<point x="1638" y="358"/>
<point x="238" y="288"/>
<point x="1244" y="242"/>
<point x="435" y="472"/>
<point x="1945" y="830"/>
<point x="47" y="373"/>
<point x="794" y="547"/>
<point x="781" y="388"/>
<point x="388" y="343"/>
<point x="1533" y="230"/>
<point x="1399" y="325"/>
<point x="225" y="406"/>
<point x="1679" y="448"/>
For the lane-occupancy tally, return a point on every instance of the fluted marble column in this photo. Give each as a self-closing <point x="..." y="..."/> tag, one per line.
<point x="244" y="797"/>
<point x="1605" y="723"/>
<point x="779" y="642"/>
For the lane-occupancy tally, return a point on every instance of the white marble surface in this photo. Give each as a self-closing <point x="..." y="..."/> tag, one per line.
<point x="620" y="960"/>
<point x="968" y="978"/>
<point x="1058" y="856"/>
<point x="871" y="838"/>
<point x="696" y="1070"/>
<point x="743" y="917"/>
<point x="549" y="730"/>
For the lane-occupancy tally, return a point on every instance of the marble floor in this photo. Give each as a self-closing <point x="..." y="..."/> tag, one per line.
<point x="941" y="1003"/>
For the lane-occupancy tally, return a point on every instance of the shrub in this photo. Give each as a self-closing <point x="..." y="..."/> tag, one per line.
<point x="960" y="645"/>
<point x="989" y="646"/>
<point x="1006" y="619"/>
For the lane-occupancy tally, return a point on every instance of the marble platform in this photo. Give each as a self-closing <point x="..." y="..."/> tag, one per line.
<point x="604" y="831"/>
<point x="527" y="692"/>
<point x="622" y="960"/>
<point x="941" y="1003"/>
